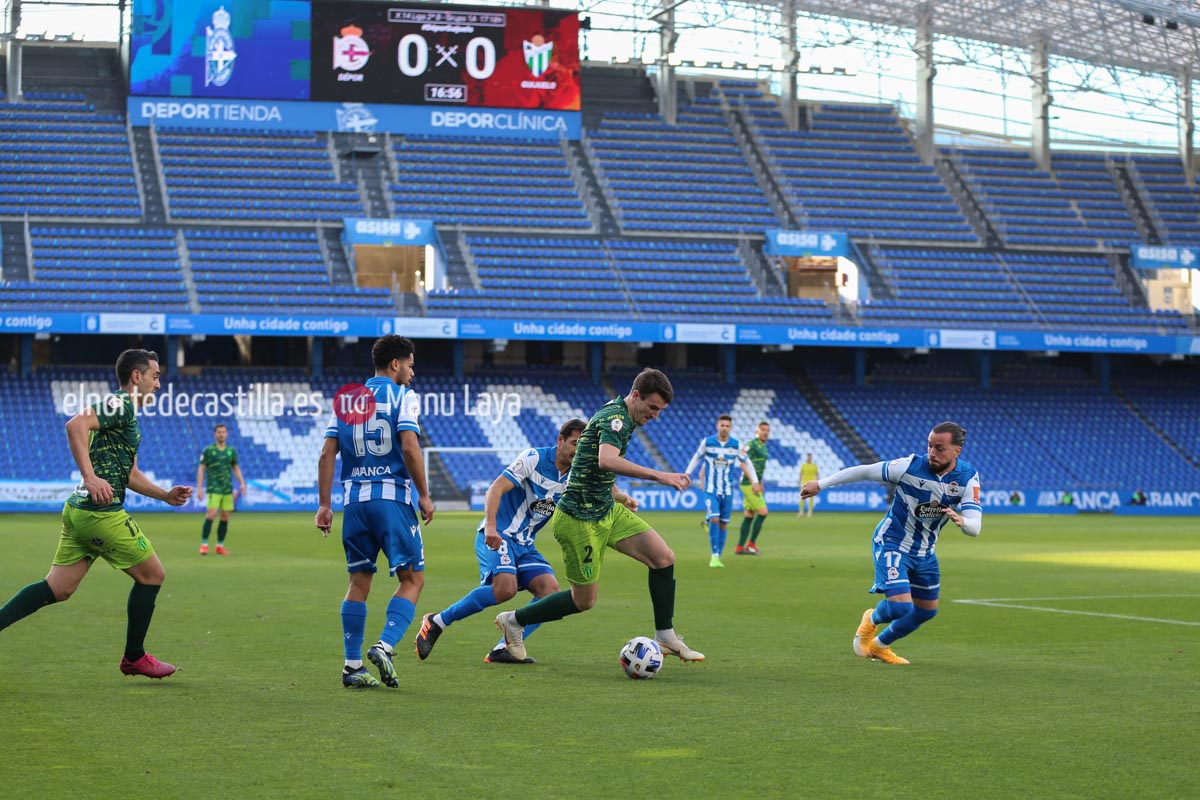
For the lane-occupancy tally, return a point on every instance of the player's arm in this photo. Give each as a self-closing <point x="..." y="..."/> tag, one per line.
<point x="610" y="459"/>
<point x="624" y="499"/>
<point x="79" y="432"/>
<point x="410" y="448"/>
<point x="491" y="507"/>
<point x="969" y="516"/>
<point x="748" y="470"/>
<point x="325" y="466"/>
<point x="200" y="479"/>
<point x="237" y="471"/>
<point x="138" y="482"/>
<point x="863" y="472"/>
<point x="696" y="461"/>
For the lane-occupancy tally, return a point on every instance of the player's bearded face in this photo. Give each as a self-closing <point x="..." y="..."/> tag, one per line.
<point x="942" y="452"/>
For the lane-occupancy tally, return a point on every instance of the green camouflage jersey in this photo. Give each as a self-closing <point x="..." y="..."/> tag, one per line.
<point x="756" y="451"/>
<point x="218" y="463"/>
<point x="112" y="450"/>
<point x="589" y="492"/>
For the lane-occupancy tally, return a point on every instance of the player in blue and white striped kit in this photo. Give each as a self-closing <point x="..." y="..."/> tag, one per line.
<point x="718" y="454"/>
<point x="375" y="430"/>
<point x="930" y="490"/>
<point x="517" y="505"/>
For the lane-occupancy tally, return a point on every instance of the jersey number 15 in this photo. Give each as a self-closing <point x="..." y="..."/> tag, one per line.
<point x="380" y="441"/>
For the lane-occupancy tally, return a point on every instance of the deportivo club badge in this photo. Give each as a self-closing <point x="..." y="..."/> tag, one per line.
<point x="350" y="51"/>
<point x="218" y="50"/>
<point x="537" y="55"/>
<point x="355" y="118"/>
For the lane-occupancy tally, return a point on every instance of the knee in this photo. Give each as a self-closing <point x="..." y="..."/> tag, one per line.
<point x="416" y="580"/>
<point x="224" y="516"/>
<point x="763" y="512"/>
<point x="662" y="558"/>
<point x="923" y="615"/>
<point x="585" y="603"/>
<point x="898" y="610"/>
<point x="62" y="593"/>
<point x="503" y="592"/>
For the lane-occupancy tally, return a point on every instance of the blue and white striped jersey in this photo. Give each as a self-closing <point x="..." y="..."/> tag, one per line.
<point x="538" y="486"/>
<point x="915" y="518"/>
<point x="719" y="459"/>
<point x="372" y="462"/>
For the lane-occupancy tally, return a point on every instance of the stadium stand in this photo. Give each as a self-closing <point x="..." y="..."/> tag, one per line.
<point x="101" y="269"/>
<point x="1087" y="180"/>
<point x="59" y="157"/>
<point x="1176" y="204"/>
<point x="257" y="270"/>
<point x="519" y="183"/>
<point x="690" y="177"/>
<point x="218" y="175"/>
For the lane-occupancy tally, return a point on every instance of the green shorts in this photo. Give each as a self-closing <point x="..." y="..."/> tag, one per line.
<point x="753" y="502"/>
<point x="111" y="535"/>
<point x="221" y="501"/>
<point x="583" y="542"/>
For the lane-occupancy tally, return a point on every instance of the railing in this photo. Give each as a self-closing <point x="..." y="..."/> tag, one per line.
<point x="32" y="273"/>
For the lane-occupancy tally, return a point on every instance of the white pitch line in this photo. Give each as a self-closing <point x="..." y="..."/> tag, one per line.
<point x="1075" y="597"/>
<point x="1082" y="613"/>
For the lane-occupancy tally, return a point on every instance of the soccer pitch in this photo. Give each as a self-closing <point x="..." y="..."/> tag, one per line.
<point x="1065" y="662"/>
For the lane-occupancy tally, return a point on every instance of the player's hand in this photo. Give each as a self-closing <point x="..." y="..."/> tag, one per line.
<point x="425" y="506"/>
<point x="629" y="502"/>
<point x="324" y="520"/>
<point x="178" y="495"/>
<point x="676" y="480"/>
<point x="953" y="515"/>
<point x="491" y="538"/>
<point x="756" y="488"/>
<point x="810" y="489"/>
<point x="199" y="495"/>
<point x="99" y="490"/>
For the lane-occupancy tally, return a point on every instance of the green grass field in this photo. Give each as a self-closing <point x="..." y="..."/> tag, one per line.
<point x="999" y="702"/>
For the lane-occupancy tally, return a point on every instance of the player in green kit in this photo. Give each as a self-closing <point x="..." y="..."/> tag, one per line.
<point x="104" y="441"/>
<point x="755" y="505"/>
<point x="221" y="461"/>
<point x="589" y="519"/>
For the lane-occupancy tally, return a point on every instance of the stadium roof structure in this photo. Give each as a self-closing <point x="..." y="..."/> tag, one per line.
<point x="1151" y="37"/>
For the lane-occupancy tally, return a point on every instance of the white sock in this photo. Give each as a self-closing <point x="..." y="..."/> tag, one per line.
<point x="354" y="664"/>
<point x="441" y="623"/>
<point x="665" y="635"/>
<point x="384" y="646"/>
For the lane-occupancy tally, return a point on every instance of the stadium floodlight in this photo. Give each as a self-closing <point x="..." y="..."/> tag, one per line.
<point x="779" y="65"/>
<point x="752" y="65"/>
<point x="728" y="63"/>
<point x="674" y="60"/>
<point x="648" y="60"/>
<point x="620" y="59"/>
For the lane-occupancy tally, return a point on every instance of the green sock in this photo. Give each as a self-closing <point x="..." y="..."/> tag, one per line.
<point x="662" y="597"/>
<point x="759" y="519"/>
<point x="140" y="609"/>
<point x="222" y="528"/>
<point x="25" y="602"/>
<point x="745" y="532"/>
<point x="207" y="530"/>
<point x="550" y="608"/>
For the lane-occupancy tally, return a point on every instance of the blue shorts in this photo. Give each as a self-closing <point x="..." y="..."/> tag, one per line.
<point x="903" y="573"/>
<point x="385" y="525"/>
<point x="718" y="505"/>
<point x="522" y="560"/>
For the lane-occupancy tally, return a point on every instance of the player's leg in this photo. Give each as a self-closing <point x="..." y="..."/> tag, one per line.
<point x="58" y="585"/>
<point x="725" y="507"/>
<point x="497" y="584"/>
<point x="712" y="513"/>
<point x="126" y="548"/>
<point x="924" y="578"/>
<point x="892" y="581"/>
<point x="636" y="539"/>
<point x="213" y="502"/>
<point x="760" y="516"/>
<point x="405" y="552"/>
<point x="223" y="526"/>
<point x="582" y="543"/>
<point x="541" y="584"/>
<point x="747" y="521"/>
<point x="361" y="548"/>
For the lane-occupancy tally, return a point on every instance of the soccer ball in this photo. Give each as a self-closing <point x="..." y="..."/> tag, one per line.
<point x="641" y="657"/>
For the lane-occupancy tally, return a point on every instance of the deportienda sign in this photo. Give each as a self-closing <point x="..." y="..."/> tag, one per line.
<point x="504" y="120"/>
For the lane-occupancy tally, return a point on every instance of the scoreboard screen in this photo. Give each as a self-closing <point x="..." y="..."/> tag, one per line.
<point x="418" y="54"/>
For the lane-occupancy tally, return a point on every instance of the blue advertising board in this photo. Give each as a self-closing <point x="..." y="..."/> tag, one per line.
<point x="806" y="243"/>
<point x="1153" y="256"/>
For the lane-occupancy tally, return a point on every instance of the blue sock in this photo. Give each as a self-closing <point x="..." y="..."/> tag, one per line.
<point x="906" y="625"/>
<point x="714" y="537"/>
<point x="721" y="536"/>
<point x="474" y="602"/>
<point x="400" y="613"/>
<point x="888" y="610"/>
<point x="354" y="626"/>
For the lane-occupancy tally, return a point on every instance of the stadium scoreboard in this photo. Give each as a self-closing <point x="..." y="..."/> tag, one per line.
<point x="357" y="51"/>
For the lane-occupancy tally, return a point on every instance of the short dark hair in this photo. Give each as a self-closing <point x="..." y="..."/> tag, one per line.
<point x="652" y="381"/>
<point x="220" y="425"/>
<point x="571" y="426"/>
<point x="132" y="361"/>
<point x="764" y="422"/>
<point x="726" y="417"/>
<point x="958" y="434"/>
<point x="387" y="348"/>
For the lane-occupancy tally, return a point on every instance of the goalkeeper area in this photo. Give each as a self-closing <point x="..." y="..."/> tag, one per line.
<point x="1087" y="689"/>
